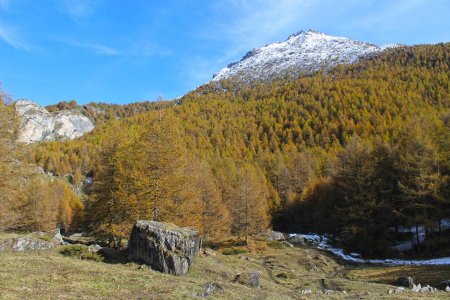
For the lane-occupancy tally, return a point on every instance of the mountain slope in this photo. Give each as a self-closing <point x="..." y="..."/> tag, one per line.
<point x="302" y="53"/>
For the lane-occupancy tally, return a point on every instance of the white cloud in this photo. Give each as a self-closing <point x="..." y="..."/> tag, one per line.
<point x="10" y="36"/>
<point x="258" y="21"/>
<point x="77" y="9"/>
<point x="93" y="47"/>
<point x="101" y="49"/>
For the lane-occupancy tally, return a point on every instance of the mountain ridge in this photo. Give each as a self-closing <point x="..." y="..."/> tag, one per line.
<point x="302" y="53"/>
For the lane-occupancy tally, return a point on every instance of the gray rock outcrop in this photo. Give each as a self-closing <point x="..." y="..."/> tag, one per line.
<point x="251" y="279"/>
<point x="35" y="241"/>
<point x="164" y="247"/>
<point x="272" y="235"/>
<point x="405" y="281"/>
<point x="37" y="124"/>
<point x="25" y="243"/>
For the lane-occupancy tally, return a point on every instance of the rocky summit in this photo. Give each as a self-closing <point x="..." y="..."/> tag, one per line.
<point x="302" y="53"/>
<point x="38" y="124"/>
<point x="163" y="246"/>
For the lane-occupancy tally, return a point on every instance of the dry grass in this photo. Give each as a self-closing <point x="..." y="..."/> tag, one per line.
<point x="285" y="273"/>
<point x="424" y="275"/>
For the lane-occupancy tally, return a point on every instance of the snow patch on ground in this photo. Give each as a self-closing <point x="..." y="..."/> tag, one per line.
<point x="323" y="242"/>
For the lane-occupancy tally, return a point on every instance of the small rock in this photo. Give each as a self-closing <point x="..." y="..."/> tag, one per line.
<point x="447" y="289"/>
<point x="210" y="288"/>
<point x="425" y="289"/>
<point x="297" y="240"/>
<point x="94" y="248"/>
<point x="400" y="289"/>
<point x="405" y="281"/>
<point x="391" y="291"/>
<point x="209" y="252"/>
<point x="246" y="258"/>
<point x="328" y="292"/>
<point x="56" y="236"/>
<point x="286" y="243"/>
<point x="275" y="236"/>
<point x="249" y="279"/>
<point x="416" y="288"/>
<point x="306" y="292"/>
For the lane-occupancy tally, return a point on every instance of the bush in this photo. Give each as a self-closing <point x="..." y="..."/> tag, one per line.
<point x="275" y="244"/>
<point x="234" y="251"/>
<point x="80" y="252"/>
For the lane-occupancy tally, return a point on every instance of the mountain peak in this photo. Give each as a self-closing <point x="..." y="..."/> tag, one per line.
<point x="303" y="52"/>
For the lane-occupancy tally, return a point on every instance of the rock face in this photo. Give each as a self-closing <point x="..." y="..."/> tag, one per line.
<point x="302" y="53"/>
<point x="164" y="247"/>
<point x="37" y="124"/>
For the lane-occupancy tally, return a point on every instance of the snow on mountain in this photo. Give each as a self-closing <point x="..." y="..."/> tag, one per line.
<point x="302" y="53"/>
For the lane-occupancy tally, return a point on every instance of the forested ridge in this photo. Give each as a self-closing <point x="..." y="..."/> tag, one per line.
<point x="359" y="151"/>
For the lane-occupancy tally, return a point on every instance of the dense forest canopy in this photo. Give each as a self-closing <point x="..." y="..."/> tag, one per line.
<point x="356" y="151"/>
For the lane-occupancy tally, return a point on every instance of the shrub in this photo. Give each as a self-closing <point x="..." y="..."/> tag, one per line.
<point x="80" y="252"/>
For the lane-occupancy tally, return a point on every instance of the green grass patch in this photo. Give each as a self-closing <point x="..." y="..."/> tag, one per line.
<point x="234" y="251"/>
<point x="80" y="252"/>
<point x="275" y="244"/>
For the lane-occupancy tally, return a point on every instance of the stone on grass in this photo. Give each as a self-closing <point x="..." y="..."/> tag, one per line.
<point x="275" y="235"/>
<point x="28" y="243"/>
<point x="164" y="247"/>
<point x="210" y="288"/>
<point x="94" y="248"/>
<point x="416" y="288"/>
<point x="447" y="289"/>
<point x="286" y="243"/>
<point x="297" y="240"/>
<point x="250" y="279"/>
<point x="405" y="281"/>
<point x="306" y="292"/>
<point x="209" y="252"/>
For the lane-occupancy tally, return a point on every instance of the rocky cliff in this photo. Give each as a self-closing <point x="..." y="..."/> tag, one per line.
<point x="38" y="125"/>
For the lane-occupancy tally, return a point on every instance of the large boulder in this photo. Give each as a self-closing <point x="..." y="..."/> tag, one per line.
<point x="163" y="246"/>
<point x="405" y="281"/>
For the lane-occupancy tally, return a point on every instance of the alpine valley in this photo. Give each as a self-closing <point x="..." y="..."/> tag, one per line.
<point x="314" y="167"/>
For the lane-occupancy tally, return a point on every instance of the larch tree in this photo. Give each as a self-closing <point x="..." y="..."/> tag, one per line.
<point x="249" y="206"/>
<point x="215" y="218"/>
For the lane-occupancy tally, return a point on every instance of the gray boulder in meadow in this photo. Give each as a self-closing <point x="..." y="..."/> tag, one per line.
<point x="163" y="246"/>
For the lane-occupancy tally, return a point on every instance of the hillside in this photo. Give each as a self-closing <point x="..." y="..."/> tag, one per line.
<point x="286" y="274"/>
<point x="292" y="144"/>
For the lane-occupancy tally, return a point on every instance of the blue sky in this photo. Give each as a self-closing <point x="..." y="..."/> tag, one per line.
<point x="121" y="51"/>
